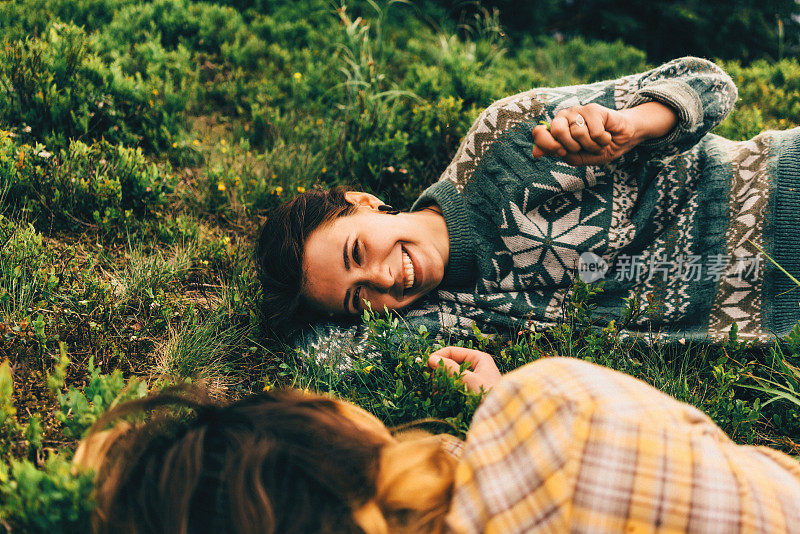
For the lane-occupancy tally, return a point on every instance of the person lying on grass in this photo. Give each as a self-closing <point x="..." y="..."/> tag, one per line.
<point x="620" y="178"/>
<point x="558" y="445"/>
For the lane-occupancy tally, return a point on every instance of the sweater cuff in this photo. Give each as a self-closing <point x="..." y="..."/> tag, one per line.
<point x="783" y="247"/>
<point x="681" y="98"/>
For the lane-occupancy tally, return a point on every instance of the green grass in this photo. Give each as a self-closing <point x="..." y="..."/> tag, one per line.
<point x="125" y="255"/>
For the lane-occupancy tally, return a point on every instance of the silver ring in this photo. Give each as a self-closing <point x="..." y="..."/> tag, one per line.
<point x="578" y="121"/>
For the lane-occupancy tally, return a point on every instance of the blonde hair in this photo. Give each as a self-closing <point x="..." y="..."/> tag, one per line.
<point x="414" y="488"/>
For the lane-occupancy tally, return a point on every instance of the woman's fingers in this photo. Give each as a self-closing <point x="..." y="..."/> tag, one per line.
<point x="545" y="143"/>
<point x="451" y="365"/>
<point x="560" y="129"/>
<point x="484" y="374"/>
<point x="474" y="381"/>
<point x="458" y="354"/>
<point x="575" y="134"/>
<point x="596" y="134"/>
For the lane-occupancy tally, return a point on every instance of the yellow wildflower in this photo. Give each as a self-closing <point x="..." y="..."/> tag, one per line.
<point x="224" y="150"/>
<point x="324" y="169"/>
<point x="155" y="92"/>
<point x="226" y="240"/>
<point x="278" y="190"/>
<point x="223" y="142"/>
<point x="150" y="101"/>
<point x="196" y="142"/>
<point x="301" y="189"/>
<point x="221" y="186"/>
<point x="174" y="145"/>
<point x="368" y="368"/>
<point x="274" y="175"/>
<point x="297" y="76"/>
<point x="268" y="387"/>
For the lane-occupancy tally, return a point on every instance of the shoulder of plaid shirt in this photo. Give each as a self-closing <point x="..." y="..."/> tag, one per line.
<point x="564" y="445"/>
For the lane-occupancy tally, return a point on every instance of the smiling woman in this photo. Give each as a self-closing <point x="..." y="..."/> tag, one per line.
<point x="370" y="256"/>
<point x="624" y="172"/>
<point x="330" y="252"/>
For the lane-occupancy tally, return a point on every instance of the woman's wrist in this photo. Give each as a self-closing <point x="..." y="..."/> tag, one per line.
<point x="651" y="120"/>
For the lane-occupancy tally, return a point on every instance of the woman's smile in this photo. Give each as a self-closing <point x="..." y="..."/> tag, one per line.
<point x="369" y="256"/>
<point x="408" y="269"/>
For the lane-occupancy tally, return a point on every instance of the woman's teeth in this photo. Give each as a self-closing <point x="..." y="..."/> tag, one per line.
<point x="409" y="269"/>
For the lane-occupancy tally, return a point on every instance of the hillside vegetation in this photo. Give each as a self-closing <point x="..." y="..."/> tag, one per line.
<point x="141" y="144"/>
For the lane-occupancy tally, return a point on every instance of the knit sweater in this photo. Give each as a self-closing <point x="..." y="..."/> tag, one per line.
<point x="677" y="221"/>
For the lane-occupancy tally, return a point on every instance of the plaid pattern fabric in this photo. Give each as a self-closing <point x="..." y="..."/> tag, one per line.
<point x="562" y="445"/>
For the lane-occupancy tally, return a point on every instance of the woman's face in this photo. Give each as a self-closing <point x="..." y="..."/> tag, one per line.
<point x="387" y="260"/>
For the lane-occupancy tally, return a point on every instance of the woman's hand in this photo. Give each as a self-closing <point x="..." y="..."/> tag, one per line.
<point x="483" y="375"/>
<point x="594" y="134"/>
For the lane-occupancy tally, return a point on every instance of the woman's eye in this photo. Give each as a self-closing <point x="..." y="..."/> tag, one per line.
<point x="357" y="298"/>
<point x="356" y="257"/>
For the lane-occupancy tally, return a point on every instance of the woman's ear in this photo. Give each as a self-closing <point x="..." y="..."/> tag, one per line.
<point x="362" y="199"/>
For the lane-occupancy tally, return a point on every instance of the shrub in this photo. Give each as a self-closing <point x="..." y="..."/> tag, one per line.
<point x="81" y="407"/>
<point x="59" y="89"/>
<point x="47" y="500"/>
<point x="27" y="277"/>
<point x="769" y="98"/>
<point x="103" y="185"/>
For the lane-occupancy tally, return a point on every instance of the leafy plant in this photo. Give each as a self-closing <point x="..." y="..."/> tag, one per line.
<point x="47" y="500"/>
<point x="80" y="407"/>
<point x="58" y="89"/>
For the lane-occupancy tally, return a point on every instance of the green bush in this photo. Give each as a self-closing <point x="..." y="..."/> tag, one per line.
<point x="769" y="98"/>
<point x="100" y="185"/>
<point x="80" y="408"/>
<point x="57" y="89"/>
<point x="28" y="279"/>
<point x="31" y="17"/>
<point x="50" y="499"/>
<point x="394" y="382"/>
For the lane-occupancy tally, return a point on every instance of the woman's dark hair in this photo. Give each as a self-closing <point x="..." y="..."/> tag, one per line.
<point x="279" y="256"/>
<point x="263" y="464"/>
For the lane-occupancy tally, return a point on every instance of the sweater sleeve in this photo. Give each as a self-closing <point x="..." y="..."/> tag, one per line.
<point x="700" y="93"/>
<point x="334" y="344"/>
<point x="340" y="344"/>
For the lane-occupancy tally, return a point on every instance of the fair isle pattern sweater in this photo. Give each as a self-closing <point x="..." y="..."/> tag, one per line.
<point x="678" y="221"/>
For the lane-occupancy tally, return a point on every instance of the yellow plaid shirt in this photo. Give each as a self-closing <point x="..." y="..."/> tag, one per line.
<point x="562" y="445"/>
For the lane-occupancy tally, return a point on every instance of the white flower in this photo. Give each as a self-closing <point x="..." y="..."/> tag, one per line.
<point x="44" y="154"/>
<point x="418" y="360"/>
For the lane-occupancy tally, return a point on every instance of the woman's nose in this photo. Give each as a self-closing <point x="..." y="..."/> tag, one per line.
<point x="380" y="276"/>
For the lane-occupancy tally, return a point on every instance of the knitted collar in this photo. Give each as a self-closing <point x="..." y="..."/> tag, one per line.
<point x="461" y="265"/>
